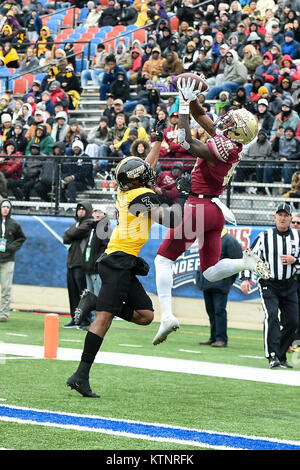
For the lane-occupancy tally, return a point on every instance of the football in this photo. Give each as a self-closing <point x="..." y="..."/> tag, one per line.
<point x="192" y="76"/>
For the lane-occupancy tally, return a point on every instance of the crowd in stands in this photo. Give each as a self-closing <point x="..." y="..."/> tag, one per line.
<point x="248" y="50"/>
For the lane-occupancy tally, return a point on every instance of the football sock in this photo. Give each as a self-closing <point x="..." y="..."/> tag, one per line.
<point x="92" y="345"/>
<point x="164" y="284"/>
<point x="224" y="268"/>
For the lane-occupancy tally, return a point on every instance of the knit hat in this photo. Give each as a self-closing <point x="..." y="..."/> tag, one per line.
<point x="77" y="143"/>
<point x="262" y="90"/>
<point x="263" y="101"/>
<point x="5" y="117"/>
<point x="289" y="34"/>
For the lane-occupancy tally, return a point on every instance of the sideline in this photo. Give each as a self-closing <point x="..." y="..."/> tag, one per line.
<point x="184" y="366"/>
<point x="141" y="430"/>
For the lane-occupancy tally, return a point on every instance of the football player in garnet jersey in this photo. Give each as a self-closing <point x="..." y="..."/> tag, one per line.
<point x="204" y="213"/>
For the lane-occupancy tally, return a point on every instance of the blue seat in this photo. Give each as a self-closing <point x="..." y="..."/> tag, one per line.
<point x="40" y="76"/>
<point x="84" y="14"/>
<point x="73" y="37"/>
<point x="106" y="29"/>
<point x="80" y="30"/>
<point x="91" y="50"/>
<point x="131" y="27"/>
<point x="80" y="65"/>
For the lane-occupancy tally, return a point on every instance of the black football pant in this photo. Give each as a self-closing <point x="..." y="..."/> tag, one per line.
<point x="280" y="305"/>
<point x="76" y="282"/>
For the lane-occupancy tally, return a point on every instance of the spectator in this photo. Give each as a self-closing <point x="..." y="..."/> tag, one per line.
<point x="149" y="97"/>
<point x="48" y="177"/>
<point x="60" y="127"/>
<point x="17" y="134"/>
<point x="75" y="236"/>
<point x="120" y="88"/>
<point x="286" y="118"/>
<point x="171" y="150"/>
<point x="11" y="168"/>
<point x="235" y="74"/>
<point x="26" y="115"/>
<point x="290" y="46"/>
<point x="99" y="145"/>
<point x="268" y="70"/>
<point x="6" y="34"/>
<point x="265" y="118"/>
<point x="125" y="146"/>
<point x="96" y="70"/>
<point x="259" y="150"/>
<point x="152" y="67"/>
<point x="276" y="54"/>
<point x="43" y="138"/>
<point x="140" y="148"/>
<point x="277" y="35"/>
<point x="33" y="25"/>
<point x="135" y="122"/>
<point x="70" y="85"/>
<point x="288" y="147"/>
<point x="74" y="131"/>
<point x="109" y="110"/>
<point x="10" y="56"/>
<point x="38" y="119"/>
<point x="252" y="59"/>
<point x="44" y="43"/>
<point x="6" y="125"/>
<point x="123" y="55"/>
<point x="241" y="100"/>
<point x="46" y="100"/>
<point x="214" y="70"/>
<point x="94" y="14"/>
<point x="76" y="174"/>
<point x="20" y="42"/>
<point x="110" y="74"/>
<point x="117" y="131"/>
<point x="35" y="90"/>
<point x="57" y="95"/>
<point x="172" y="64"/>
<point x="21" y="188"/>
<point x="165" y="186"/>
<point x="12" y="237"/>
<point x="145" y="119"/>
<point x="128" y="14"/>
<point x="136" y="65"/>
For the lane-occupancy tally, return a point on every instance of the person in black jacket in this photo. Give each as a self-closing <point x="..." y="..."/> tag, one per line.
<point x="76" y="237"/>
<point x="11" y="239"/>
<point x="120" y="88"/>
<point x="216" y="295"/>
<point x="97" y="241"/>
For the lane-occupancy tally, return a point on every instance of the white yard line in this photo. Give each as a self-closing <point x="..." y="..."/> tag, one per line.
<point x="283" y="377"/>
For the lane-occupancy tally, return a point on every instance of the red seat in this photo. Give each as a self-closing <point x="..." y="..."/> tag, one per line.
<point x="20" y="86"/>
<point x="140" y="35"/>
<point x="109" y="45"/>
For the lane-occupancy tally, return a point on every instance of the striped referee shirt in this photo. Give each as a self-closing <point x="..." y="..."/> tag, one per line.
<point x="271" y="244"/>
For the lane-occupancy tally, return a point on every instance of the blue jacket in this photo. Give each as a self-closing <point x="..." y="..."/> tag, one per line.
<point x="291" y="48"/>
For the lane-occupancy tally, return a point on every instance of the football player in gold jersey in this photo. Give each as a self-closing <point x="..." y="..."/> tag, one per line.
<point x="121" y="293"/>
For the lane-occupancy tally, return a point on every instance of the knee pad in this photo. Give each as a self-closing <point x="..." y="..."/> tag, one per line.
<point x="161" y="261"/>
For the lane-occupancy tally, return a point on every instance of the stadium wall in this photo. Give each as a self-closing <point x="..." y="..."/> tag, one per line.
<point x="40" y="273"/>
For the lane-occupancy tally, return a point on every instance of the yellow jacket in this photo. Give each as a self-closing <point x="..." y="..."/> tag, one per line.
<point x="142" y="134"/>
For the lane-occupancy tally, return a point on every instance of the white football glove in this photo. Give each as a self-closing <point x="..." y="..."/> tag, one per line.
<point x="187" y="90"/>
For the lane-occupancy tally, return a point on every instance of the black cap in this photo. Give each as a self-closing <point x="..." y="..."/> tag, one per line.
<point x="284" y="207"/>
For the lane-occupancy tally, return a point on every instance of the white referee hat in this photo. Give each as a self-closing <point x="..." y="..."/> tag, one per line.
<point x="284" y="207"/>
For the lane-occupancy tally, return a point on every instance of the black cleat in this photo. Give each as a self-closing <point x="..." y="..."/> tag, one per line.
<point x="285" y="365"/>
<point x="81" y="386"/>
<point x="86" y="305"/>
<point x="273" y="361"/>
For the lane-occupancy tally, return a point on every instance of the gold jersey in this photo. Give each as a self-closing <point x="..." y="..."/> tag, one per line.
<point x="134" y="224"/>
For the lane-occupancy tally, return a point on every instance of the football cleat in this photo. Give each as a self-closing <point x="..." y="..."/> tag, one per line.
<point x="81" y="386"/>
<point x="273" y="361"/>
<point x="86" y="305"/>
<point x="166" y="327"/>
<point x="254" y="263"/>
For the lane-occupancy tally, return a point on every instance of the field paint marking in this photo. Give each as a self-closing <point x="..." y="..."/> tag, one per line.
<point x="252" y="357"/>
<point x="184" y="366"/>
<point x="142" y="430"/>
<point x="131" y="345"/>
<point x="16" y="334"/>
<point x="189" y="351"/>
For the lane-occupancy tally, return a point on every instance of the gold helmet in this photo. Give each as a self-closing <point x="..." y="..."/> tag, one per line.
<point x="238" y="125"/>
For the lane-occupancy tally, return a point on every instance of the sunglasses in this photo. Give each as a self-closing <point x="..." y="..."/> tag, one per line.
<point x="295" y="222"/>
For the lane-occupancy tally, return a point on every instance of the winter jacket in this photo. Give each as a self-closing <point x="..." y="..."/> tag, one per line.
<point x="97" y="244"/>
<point x="236" y="71"/>
<point x="289" y="149"/>
<point x="269" y="73"/>
<point x="76" y="236"/>
<point x="291" y="121"/>
<point x="14" y="236"/>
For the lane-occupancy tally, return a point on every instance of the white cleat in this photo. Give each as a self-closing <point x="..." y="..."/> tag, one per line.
<point x="254" y="263"/>
<point x="166" y="327"/>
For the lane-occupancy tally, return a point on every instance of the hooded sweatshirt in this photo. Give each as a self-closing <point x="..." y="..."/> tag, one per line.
<point x="76" y="236"/>
<point x="236" y="71"/>
<point x="12" y="232"/>
<point x="268" y="72"/>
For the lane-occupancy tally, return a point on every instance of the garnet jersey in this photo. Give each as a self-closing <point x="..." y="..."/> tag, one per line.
<point x="208" y="179"/>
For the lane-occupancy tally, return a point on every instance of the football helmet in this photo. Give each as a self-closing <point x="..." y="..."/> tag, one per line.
<point x="133" y="172"/>
<point x="238" y="125"/>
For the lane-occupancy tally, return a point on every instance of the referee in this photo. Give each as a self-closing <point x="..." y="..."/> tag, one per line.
<point x="279" y="247"/>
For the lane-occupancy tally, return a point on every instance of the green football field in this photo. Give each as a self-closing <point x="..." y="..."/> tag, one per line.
<point x="174" y="396"/>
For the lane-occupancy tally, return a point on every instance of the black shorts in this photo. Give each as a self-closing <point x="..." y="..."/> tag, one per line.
<point x="121" y="292"/>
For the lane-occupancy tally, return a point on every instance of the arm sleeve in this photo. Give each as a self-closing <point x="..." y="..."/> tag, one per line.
<point x="144" y="203"/>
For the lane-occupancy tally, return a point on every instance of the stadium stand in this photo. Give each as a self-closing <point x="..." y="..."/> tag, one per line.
<point x="200" y="43"/>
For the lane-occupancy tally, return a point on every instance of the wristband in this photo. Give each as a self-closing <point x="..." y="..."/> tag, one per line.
<point x="184" y="107"/>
